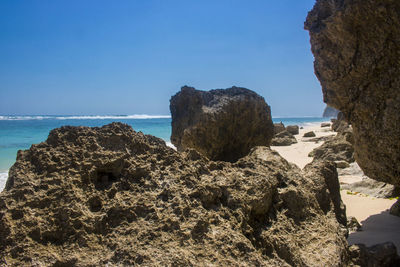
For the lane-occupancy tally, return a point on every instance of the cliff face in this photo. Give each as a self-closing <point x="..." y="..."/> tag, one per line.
<point x="357" y="51"/>
<point x="110" y="195"/>
<point x="220" y="124"/>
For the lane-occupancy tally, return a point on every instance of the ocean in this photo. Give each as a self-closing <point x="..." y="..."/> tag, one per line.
<point x="20" y="132"/>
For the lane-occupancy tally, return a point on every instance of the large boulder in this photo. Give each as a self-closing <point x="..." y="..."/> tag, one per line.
<point x="380" y="255"/>
<point x="336" y="148"/>
<point x="340" y="124"/>
<point x="373" y="188"/>
<point x="309" y="134"/>
<point x="279" y="127"/>
<point x="356" y="48"/>
<point x="283" y="138"/>
<point x="293" y="129"/>
<point x="220" y="124"/>
<point x="110" y="196"/>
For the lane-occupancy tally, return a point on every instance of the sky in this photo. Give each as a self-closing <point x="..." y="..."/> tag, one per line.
<point x="98" y="57"/>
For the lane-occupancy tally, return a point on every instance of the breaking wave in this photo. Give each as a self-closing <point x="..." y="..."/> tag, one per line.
<point x="3" y="180"/>
<point x="86" y="117"/>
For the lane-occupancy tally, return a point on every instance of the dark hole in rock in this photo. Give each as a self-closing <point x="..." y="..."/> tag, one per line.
<point x="95" y="204"/>
<point x="111" y="193"/>
<point x="65" y="263"/>
<point x="104" y="179"/>
<point x="139" y="174"/>
<point x="17" y="214"/>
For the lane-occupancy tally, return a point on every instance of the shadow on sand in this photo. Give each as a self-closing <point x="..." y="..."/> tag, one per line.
<point x="378" y="228"/>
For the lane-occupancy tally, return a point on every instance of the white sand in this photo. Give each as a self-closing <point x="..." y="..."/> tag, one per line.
<point x="298" y="153"/>
<point x="378" y="225"/>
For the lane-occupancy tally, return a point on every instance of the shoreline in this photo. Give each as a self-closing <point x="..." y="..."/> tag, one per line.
<point x="298" y="153"/>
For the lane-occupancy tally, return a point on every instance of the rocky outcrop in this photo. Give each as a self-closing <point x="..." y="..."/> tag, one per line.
<point x="309" y="134"/>
<point x="339" y="124"/>
<point x="220" y="124"/>
<point x="330" y="112"/>
<point x="373" y="188"/>
<point x="356" y="48"/>
<point x="336" y="148"/>
<point x="293" y="129"/>
<point x="353" y="225"/>
<point x="283" y="138"/>
<point x="381" y="255"/>
<point x="395" y="208"/>
<point x="112" y="196"/>
<point x="279" y="127"/>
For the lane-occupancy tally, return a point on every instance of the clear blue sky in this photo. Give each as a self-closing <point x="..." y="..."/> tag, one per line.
<point x="129" y="57"/>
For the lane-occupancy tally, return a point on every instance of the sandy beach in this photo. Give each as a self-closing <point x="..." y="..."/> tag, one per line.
<point x="372" y="213"/>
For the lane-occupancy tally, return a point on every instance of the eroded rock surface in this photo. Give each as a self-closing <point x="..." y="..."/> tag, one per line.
<point x="380" y="255"/>
<point x="220" y="124"/>
<point x="283" y="138"/>
<point x="356" y="49"/>
<point x="110" y="195"/>
<point x="309" y="134"/>
<point x="279" y="127"/>
<point x="293" y="129"/>
<point x="340" y="124"/>
<point x="336" y="148"/>
<point x="373" y="188"/>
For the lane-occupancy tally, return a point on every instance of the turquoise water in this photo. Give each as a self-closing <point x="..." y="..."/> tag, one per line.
<point x="20" y="132"/>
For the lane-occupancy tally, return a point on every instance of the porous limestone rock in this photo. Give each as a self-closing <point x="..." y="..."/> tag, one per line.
<point x="380" y="255"/>
<point x="373" y="188"/>
<point x="341" y="164"/>
<point x="283" y="138"/>
<point x="293" y="129"/>
<point x="220" y="124"/>
<point x="356" y="48"/>
<point x="340" y="124"/>
<point x="395" y="208"/>
<point x="309" y="134"/>
<point x="279" y="127"/>
<point x="353" y="225"/>
<point x="336" y="148"/>
<point x="111" y="196"/>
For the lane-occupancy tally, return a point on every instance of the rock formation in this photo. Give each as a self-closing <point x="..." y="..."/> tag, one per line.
<point x="356" y="48"/>
<point x="279" y="127"/>
<point x="339" y="124"/>
<point x="395" y="209"/>
<point x="373" y="188"/>
<point x="112" y="196"/>
<point x="330" y="112"/>
<point x="293" y="129"/>
<point x="375" y="256"/>
<point x="336" y="148"/>
<point x="283" y="138"/>
<point x="309" y="134"/>
<point x="353" y="225"/>
<point x="220" y="124"/>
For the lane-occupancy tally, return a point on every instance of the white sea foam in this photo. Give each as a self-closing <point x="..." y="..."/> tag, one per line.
<point x="170" y="145"/>
<point x="86" y="117"/>
<point x="20" y="118"/>
<point x="3" y="180"/>
<point x="123" y="117"/>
